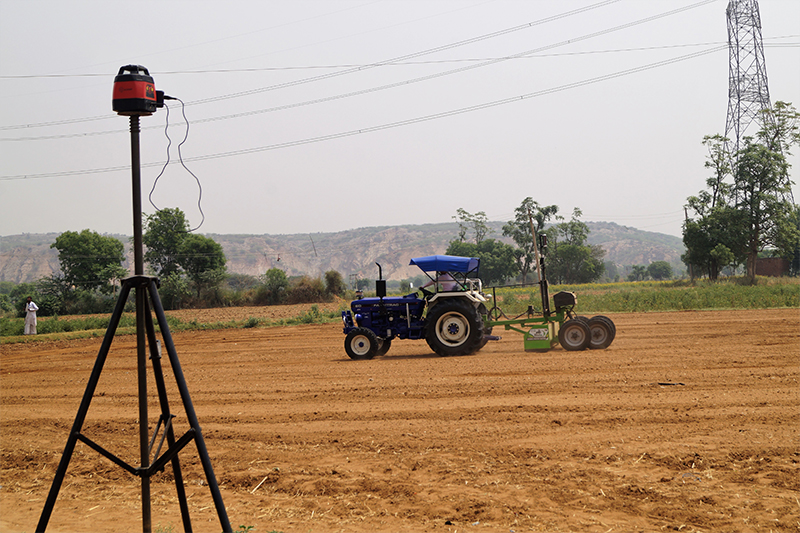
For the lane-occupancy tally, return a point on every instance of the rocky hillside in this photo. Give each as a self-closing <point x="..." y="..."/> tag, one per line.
<point x="28" y="257"/>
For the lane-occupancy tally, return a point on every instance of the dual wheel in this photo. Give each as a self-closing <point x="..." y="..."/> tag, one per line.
<point x="595" y="333"/>
<point x="362" y="343"/>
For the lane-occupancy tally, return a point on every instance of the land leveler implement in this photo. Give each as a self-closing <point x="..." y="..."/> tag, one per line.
<point x="454" y="319"/>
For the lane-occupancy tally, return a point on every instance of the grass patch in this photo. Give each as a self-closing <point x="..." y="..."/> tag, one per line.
<point x="636" y="297"/>
<point x="60" y="328"/>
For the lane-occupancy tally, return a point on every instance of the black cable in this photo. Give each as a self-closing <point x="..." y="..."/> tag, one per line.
<point x="169" y="145"/>
<point x="180" y="158"/>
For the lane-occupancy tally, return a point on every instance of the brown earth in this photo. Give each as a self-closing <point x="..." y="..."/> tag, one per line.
<point x="687" y="422"/>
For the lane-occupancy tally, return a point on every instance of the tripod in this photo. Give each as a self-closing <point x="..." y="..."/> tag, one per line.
<point x="146" y="293"/>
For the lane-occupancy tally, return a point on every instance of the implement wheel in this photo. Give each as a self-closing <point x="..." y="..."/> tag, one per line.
<point x="361" y="343"/>
<point x="601" y="333"/>
<point x="574" y="335"/>
<point x="454" y="328"/>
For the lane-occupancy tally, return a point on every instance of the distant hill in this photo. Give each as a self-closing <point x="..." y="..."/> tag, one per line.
<point x="27" y="257"/>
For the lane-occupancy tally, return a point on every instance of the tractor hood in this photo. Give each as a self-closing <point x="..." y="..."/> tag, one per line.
<point x="446" y="263"/>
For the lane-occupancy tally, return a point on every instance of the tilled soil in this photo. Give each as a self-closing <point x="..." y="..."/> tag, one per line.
<point x="687" y="422"/>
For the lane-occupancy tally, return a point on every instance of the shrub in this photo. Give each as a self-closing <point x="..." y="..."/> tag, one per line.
<point x="306" y="290"/>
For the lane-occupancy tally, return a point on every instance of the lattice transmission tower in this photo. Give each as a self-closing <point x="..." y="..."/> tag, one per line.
<point x="748" y="92"/>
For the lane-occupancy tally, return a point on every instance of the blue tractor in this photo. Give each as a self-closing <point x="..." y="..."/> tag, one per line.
<point x="454" y="323"/>
<point x="454" y="320"/>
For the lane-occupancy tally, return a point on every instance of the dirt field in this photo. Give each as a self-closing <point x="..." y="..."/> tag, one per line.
<point x="688" y="422"/>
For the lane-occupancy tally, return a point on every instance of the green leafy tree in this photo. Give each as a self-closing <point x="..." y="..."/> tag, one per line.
<point x="174" y="290"/>
<point x="276" y="285"/>
<point x="519" y="230"/>
<point x="638" y="273"/>
<point x="762" y="191"/>
<point x="477" y="223"/>
<point x="781" y="128"/>
<point x="790" y="249"/>
<point x="753" y="211"/>
<point x="659" y="270"/>
<point x="722" y="226"/>
<point x="164" y="233"/>
<point x="723" y="256"/>
<point x="497" y="262"/>
<point x="569" y="258"/>
<point x="716" y="221"/>
<point x="203" y="261"/>
<point x="90" y="260"/>
<point x="718" y="162"/>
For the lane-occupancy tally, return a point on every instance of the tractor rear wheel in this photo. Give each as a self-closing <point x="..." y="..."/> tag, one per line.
<point x="600" y="333"/>
<point x="454" y="327"/>
<point x="574" y="335"/>
<point x="361" y="343"/>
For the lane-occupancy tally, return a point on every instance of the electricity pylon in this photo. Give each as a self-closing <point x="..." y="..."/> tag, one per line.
<point x="748" y="91"/>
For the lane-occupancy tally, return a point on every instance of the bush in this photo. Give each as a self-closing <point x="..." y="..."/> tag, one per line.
<point x="306" y="290"/>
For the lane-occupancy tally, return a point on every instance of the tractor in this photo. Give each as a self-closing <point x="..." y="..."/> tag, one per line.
<point x="454" y="318"/>
<point x="450" y="318"/>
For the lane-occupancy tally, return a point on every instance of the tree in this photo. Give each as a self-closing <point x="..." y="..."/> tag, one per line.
<point x="738" y="220"/>
<point x="519" y="230"/>
<point x="334" y="284"/>
<point x="203" y="260"/>
<point x="90" y="260"/>
<point x="761" y="188"/>
<point x="791" y="249"/>
<point x="497" y="262"/>
<point x="721" y="228"/>
<point x="569" y="258"/>
<point x="164" y="233"/>
<point x="275" y="285"/>
<point x="719" y="162"/>
<point x="638" y="273"/>
<point x="476" y="222"/>
<point x="659" y="270"/>
<point x="781" y="128"/>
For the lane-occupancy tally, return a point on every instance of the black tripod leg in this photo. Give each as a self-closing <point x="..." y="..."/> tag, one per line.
<point x="187" y="404"/>
<point x="84" y="408"/>
<point x="155" y="357"/>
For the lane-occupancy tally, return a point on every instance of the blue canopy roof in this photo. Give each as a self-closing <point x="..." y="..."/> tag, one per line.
<point x="446" y="263"/>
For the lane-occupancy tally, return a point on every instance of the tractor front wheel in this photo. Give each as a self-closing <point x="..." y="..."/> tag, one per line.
<point x="384" y="345"/>
<point x="361" y="343"/>
<point x="454" y="328"/>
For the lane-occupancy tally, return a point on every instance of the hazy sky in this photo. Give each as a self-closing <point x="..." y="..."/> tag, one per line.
<point x="318" y="116"/>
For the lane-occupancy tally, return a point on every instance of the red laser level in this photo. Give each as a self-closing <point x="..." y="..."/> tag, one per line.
<point x="135" y="92"/>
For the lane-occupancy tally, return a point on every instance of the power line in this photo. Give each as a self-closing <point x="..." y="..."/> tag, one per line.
<point x="360" y="68"/>
<point x="391" y="125"/>
<point x="484" y="63"/>
<point x="393" y="64"/>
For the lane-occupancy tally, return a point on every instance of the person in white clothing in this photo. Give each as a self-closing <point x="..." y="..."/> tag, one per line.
<point x="30" y="317"/>
<point x="446" y="282"/>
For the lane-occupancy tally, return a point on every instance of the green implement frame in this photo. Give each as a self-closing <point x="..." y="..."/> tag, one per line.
<point x="541" y="333"/>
